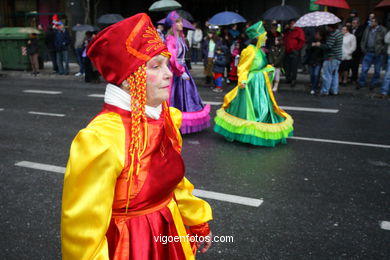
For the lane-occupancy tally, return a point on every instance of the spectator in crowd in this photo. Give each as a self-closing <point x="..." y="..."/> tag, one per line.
<point x="349" y="46"/>
<point x="275" y="58"/>
<point x="233" y="32"/>
<point x="374" y="48"/>
<point x="49" y="42"/>
<point x="352" y="15"/>
<point x="309" y="39"/>
<point x="294" y="39"/>
<point x="160" y="30"/>
<point x="384" y="92"/>
<point x="315" y="58"/>
<point x="226" y="42"/>
<point x="370" y="17"/>
<point x="333" y="54"/>
<point x="356" y="30"/>
<point x="220" y="62"/>
<point x="91" y="73"/>
<point x="235" y="51"/>
<point x="195" y="42"/>
<point x="33" y="53"/>
<point x="78" y="47"/>
<point x="208" y="50"/>
<point x="271" y="35"/>
<point x="61" y="42"/>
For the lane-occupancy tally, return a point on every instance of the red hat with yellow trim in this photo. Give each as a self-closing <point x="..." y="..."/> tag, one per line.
<point x="120" y="49"/>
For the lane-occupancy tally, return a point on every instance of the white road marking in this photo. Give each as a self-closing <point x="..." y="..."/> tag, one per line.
<point x="96" y="95"/>
<point x="1" y="109"/>
<point x="194" y="142"/>
<point x="310" y="109"/>
<point x="45" y="114"/>
<point x="339" y="142"/>
<point x="201" y="193"/>
<point x="307" y="109"/>
<point x="42" y="91"/>
<point x="385" y="225"/>
<point x="228" y="198"/>
<point x="213" y="103"/>
<point x="41" y="166"/>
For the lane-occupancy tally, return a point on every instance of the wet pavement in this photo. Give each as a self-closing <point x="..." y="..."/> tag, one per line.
<point x="324" y="195"/>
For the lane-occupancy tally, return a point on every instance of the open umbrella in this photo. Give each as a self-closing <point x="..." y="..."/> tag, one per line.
<point x="281" y="13"/>
<point x="186" y="24"/>
<point x="185" y="15"/>
<point x="110" y="18"/>
<point x="164" y="5"/>
<point x="317" y="19"/>
<point x="85" y="27"/>
<point x="226" y="18"/>
<point x="333" y="3"/>
<point x="384" y="3"/>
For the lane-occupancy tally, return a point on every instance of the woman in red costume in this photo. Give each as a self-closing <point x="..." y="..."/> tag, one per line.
<point x="125" y="195"/>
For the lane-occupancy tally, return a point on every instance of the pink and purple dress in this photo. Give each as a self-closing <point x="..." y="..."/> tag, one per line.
<point x="183" y="91"/>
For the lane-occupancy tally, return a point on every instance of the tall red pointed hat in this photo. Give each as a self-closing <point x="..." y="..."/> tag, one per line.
<point x="121" y="48"/>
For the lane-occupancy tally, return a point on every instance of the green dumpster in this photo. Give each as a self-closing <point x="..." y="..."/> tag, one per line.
<point x="13" y="51"/>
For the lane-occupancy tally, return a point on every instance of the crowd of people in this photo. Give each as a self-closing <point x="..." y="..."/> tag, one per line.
<point x="333" y="55"/>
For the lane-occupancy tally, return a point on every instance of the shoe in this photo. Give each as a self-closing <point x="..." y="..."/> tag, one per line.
<point x="274" y="89"/>
<point x="78" y="74"/>
<point x="227" y="81"/>
<point x="358" y="87"/>
<point x="333" y="94"/>
<point x="312" y="92"/>
<point x="371" y="88"/>
<point x="217" y="90"/>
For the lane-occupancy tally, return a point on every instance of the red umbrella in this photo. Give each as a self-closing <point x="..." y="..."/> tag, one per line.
<point x="334" y="3"/>
<point x="384" y="3"/>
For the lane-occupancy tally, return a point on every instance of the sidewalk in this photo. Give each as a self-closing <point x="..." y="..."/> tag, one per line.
<point x="302" y="85"/>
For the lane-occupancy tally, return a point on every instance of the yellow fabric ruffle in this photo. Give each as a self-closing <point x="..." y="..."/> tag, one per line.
<point x="246" y="58"/>
<point x="265" y="127"/>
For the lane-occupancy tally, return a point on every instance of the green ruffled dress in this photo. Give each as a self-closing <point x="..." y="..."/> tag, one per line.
<point x="251" y="114"/>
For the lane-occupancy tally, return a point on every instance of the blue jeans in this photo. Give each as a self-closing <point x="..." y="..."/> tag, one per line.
<point x="79" y="54"/>
<point x="63" y="59"/>
<point x="330" y="76"/>
<point x="315" y="71"/>
<point x="369" y="59"/>
<point x="386" y="80"/>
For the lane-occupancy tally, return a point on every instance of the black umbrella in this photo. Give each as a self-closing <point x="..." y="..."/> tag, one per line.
<point x="110" y="18"/>
<point x="85" y="27"/>
<point x="186" y="15"/>
<point x="281" y="13"/>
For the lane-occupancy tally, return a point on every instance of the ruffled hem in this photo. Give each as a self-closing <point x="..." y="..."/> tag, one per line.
<point x="195" y="121"/>
<point x="256" y="133"/>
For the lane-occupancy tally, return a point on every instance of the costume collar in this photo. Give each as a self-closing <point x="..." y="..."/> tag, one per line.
<point x="116" y="96"/>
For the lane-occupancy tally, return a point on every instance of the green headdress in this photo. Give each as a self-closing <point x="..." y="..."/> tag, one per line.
<point x="257" y="31"/>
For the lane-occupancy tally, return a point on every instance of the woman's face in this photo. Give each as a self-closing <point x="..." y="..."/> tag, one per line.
<point x="158" y="77"/>
<point x="344" y="30"/>
<point x="179" y="25"/>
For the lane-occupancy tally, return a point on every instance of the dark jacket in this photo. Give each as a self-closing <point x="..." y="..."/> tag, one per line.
<point x="359" y="35"/>
<point x="219" y="63"/>
<point x="380" y="45"/>
<point x="276" y="56"/>
<point x="50" y="39"/>
<point x="205" y="48"/>
<point x="32" y="46"/>
<point x="315" y="55"/>
<point x="61" y="40"/>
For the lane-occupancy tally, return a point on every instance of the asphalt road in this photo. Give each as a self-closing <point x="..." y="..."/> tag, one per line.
<point x="320" y="198"/>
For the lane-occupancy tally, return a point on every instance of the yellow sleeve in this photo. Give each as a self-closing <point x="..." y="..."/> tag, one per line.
<point x="176" y="116"/>
<point x="246" y="59"/>
<point x="87" y="198"/>
<point x="194" y="211"/>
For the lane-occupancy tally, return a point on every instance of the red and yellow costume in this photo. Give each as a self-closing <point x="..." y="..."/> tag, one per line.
<point x="122" y="191"/>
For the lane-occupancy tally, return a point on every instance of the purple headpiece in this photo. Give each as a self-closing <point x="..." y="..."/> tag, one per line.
<point x="170" y="22"/>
